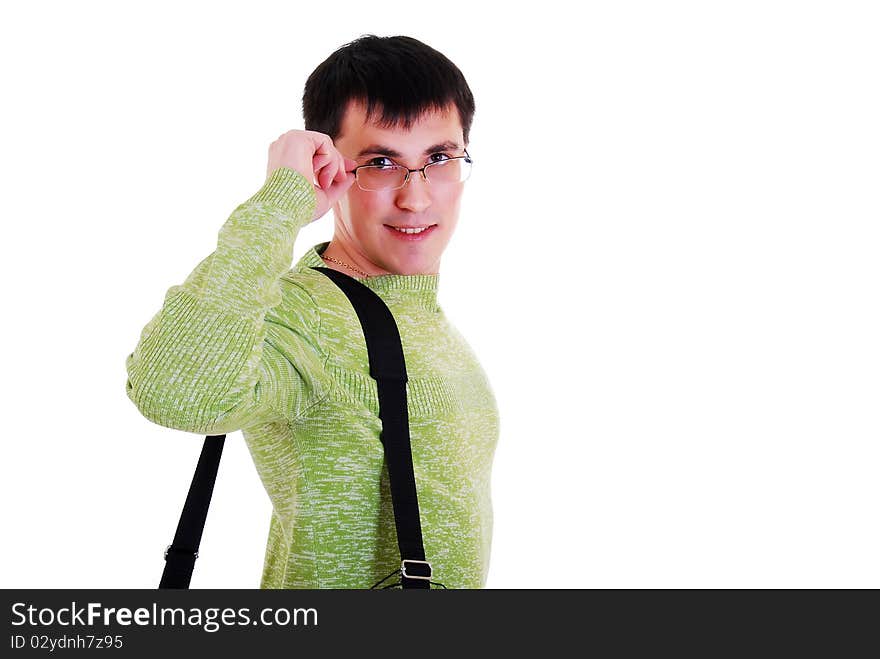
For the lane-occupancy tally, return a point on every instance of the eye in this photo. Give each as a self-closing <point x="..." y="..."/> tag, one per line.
<point x="372" y="161"/>
<point x="446" y="156"/>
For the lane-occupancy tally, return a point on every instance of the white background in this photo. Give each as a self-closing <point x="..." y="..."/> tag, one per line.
<point x="667" y="263"/>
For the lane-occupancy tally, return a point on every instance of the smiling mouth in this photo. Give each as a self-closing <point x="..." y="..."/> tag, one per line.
<point x="410" y="228"/>
<point x="412" y="233"/>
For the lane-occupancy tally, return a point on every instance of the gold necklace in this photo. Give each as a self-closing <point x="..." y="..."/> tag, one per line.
<point x="330" y="258"/>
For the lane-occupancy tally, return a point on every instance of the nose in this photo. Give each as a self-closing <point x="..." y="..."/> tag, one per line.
<point x="416" y="194"/>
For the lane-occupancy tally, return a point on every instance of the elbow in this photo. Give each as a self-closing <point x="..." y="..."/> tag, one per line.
<point x="181" y="405"/>
<point x="169" y="409"/>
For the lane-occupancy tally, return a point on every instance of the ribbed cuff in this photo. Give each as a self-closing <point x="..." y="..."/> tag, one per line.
<point x="289" y="191"/>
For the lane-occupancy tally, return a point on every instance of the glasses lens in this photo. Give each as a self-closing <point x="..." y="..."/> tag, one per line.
<point x="385" y="177"/>
<point x="448" y="171"/>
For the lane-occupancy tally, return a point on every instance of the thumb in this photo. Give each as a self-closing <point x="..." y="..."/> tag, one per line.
<point x="327" y="198"/>
<point x="339" y="187"/>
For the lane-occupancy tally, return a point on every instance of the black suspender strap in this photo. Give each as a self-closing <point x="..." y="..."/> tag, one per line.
<point x="181" y="554"/>
<point x="388" y="368"/>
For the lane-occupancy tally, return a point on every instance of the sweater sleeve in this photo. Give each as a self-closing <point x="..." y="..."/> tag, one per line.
<point x="216" y="357"/>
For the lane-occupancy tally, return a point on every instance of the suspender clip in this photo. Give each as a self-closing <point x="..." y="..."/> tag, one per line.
<point x="415" y="576"/>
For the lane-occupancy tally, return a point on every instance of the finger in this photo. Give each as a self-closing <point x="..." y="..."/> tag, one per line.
<point x="321" y="177"/>
<point x="340" y="172"/>
<point x="337" y="189"/>
<point x="324" y="145"/>
<point x="327" y="175"/>
<point x="321" y="160"/>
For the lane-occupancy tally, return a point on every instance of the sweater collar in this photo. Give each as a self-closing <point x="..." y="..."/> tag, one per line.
<point x="421" y="287"/>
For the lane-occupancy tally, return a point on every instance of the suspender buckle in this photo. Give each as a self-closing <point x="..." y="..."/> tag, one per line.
<point x="420" y="569"/>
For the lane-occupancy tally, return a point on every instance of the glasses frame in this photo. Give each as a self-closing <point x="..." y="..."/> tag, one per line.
<point x="466" y="157"/>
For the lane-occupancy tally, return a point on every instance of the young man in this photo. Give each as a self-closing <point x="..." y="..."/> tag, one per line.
<point x="248" y="343"/>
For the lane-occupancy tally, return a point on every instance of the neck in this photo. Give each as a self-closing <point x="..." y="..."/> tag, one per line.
<point x="338" y="251"/>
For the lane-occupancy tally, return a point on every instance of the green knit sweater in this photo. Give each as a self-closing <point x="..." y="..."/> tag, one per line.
<point x="246" y="343"/>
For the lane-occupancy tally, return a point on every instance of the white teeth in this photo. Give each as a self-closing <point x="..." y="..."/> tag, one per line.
<point x="410" y="230"/>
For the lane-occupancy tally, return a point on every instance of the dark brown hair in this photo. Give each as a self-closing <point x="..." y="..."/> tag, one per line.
<point x="401" y="76"/>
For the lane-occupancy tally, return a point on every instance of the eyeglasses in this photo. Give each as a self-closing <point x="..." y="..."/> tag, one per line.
<point x="377" y="178"/>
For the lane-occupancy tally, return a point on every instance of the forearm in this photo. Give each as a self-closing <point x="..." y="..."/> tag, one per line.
<point x="202" y="363"/>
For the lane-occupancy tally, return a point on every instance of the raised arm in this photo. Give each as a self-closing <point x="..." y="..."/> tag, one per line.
<point x="208" y="361"/>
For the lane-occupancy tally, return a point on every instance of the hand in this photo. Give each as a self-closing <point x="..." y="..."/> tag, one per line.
<point x="313" y="155"/>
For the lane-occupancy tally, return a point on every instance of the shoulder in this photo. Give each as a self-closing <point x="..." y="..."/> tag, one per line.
<point x="312" y="295"/>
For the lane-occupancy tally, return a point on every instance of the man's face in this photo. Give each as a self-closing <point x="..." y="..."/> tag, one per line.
<point x="363" y="219"/>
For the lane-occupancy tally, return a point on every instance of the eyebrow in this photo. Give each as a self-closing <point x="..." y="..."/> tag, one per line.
<point x="448" y="145"/>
